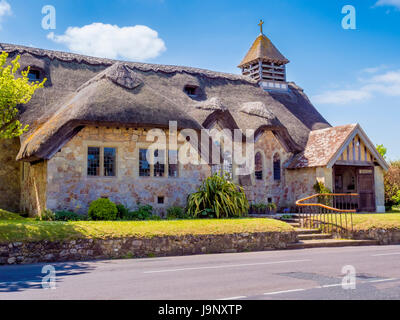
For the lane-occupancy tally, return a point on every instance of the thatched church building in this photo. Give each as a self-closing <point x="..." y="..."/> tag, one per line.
<point x="87" y="136"/>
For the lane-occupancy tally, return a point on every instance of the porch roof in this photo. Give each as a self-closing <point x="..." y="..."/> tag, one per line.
<point x="325" y="146"/>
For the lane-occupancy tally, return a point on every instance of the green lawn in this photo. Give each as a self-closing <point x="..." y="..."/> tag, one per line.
<point x="29" y="230"/>
<point x="6" y="215"/>
<point x="374" y="221"/>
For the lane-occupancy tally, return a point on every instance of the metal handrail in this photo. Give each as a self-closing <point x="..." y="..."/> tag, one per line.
<point x="301" y="204"/>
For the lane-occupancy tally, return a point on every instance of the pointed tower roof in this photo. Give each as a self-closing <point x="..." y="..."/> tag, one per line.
<point x="263" y="49"/>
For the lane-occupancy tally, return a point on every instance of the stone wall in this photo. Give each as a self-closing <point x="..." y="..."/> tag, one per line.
<point x="10" y="175"/>
<point x="383" y="236"/>
<point x="301" y="182"/>
<point x="69" y="187"/>
<point x="34" y="187"/>
<point x="262" y="190"/>
<point x="89" y="249"/>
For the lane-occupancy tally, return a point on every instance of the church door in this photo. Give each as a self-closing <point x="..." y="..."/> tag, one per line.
<point x="366" y="189"/>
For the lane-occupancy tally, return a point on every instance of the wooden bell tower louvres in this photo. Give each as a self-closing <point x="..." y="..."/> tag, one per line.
<point x="265" y="64"/>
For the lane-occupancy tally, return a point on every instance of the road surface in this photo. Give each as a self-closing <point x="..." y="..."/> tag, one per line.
<point x="290" y="274"/>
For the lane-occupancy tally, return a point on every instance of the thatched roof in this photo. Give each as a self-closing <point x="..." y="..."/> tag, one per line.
<point x="84" y="90"/>
<point x="263" y="49"/>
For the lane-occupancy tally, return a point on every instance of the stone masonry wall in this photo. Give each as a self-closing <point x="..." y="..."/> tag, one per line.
<point x="69" y="187"/>
<point x="88" y="249"/>
<point x="10" y="175"/>
<point x="266" y="188"/>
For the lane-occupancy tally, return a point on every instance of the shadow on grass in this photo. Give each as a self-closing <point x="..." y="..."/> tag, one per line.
<point x="24" y="277"/>
<point x="15" y="231"/>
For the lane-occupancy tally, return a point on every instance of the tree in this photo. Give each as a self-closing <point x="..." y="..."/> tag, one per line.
<point x="14" y="91"/>
<point x="382" y="150"/>
<point x="392" y="184"/>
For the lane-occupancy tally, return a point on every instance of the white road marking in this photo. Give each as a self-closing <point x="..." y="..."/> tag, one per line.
<point x="386" y="254"/>
<point x="330" y="285"/>
<point x="227" y="266"/>
<point x="233" y="298"/>
<point x="286" y="291"/>
<point x="383" y="280"/>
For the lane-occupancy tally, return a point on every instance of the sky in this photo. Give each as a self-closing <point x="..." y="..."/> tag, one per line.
<point x="350" y="75"/>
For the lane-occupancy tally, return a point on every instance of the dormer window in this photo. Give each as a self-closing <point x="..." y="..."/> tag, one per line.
<point x="191" y="91"/>
<point x="34" y="75"/>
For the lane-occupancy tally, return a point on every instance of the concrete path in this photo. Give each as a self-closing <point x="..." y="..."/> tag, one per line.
<point x="290" y="274"/>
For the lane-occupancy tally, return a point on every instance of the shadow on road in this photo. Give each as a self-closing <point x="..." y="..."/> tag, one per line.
<point x="20" y="278"/>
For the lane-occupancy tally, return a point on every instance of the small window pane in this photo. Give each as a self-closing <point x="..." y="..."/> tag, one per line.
<point x="144" y="166"/>
<point x="277" y="168"/>
<point x="34" y="75"/>
<point x="109" y="162"/>
<point x="173" y="163"/>
<point x="93" y="167"/>
<point x="258" y="166"/>
<point x="159" y="163"/>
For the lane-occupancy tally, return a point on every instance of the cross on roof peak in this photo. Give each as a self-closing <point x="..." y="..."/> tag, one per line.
<point x="261" y="26"/>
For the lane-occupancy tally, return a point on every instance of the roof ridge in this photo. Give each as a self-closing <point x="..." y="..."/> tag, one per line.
<point x="142" y="66"/>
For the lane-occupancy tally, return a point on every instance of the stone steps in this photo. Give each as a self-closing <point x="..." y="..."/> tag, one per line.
<point x="303" y="244"/>
<point x="307" y="231"/>
<point x="314" y="236"/>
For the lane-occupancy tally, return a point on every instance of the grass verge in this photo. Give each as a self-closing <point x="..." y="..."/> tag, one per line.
<point x="12" y="230"/>
<point x="6" y="215"/>
<point x="376" y="221"/>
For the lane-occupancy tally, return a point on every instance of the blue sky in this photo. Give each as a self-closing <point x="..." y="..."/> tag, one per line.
<point x="350" y="75"/>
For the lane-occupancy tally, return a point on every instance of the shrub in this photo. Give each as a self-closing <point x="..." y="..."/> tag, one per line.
<point x="103" y="209"/>
<point x="67" y="216"/>
<point x="46" y="215"/>
<point x="319" y="187"/>
<point x="218" y="197"/>
<point x="122" y="211"/>
<point x="144" y="212"/>
<point x="272" y="206"/>
<point x="174" y="213"/>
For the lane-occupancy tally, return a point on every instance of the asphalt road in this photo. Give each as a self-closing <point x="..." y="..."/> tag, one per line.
<point x="291" y="274"/>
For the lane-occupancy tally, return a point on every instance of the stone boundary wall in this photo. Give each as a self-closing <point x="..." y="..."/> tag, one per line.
<point x="383" y="236"/>
<point x="91" y="249"/>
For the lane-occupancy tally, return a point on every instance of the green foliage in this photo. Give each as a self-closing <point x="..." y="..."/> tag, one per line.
<point x="272" y="206"/>
<point x="6" y="215"/>
<point x="144" y="212"/>
<point x="175" y="213"/>
<point x="396" y="198"/>
<point x="103" y="209"/>
<point x="319" y="187"/>
<point x="217" y="197"/>
<point x="46" y="215"/>
<point x="14" y="91"/>
<point x="67" y="216"/>
<point x="122" y="211"/>
<point x="382" y="150"/>
<point x="392" y="184"/>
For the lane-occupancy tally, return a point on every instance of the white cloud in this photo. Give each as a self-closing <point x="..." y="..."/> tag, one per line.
<point x="387" y="84"/>
<point x="111" y="41"/>
<point x="394" y="3"/>
<point x="5" y="9"/>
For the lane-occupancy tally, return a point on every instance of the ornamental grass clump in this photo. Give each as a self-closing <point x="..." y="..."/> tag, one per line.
<point x="218" y="198"/>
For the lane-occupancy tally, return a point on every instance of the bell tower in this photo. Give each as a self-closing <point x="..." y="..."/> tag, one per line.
<point x="265" y="64"/>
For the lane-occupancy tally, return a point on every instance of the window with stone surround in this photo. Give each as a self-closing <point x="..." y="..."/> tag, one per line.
<point x="101" y="161"/>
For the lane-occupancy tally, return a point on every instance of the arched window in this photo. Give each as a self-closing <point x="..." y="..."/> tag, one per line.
<point x="258" y="166"/>
<point x="277" y="167"/>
